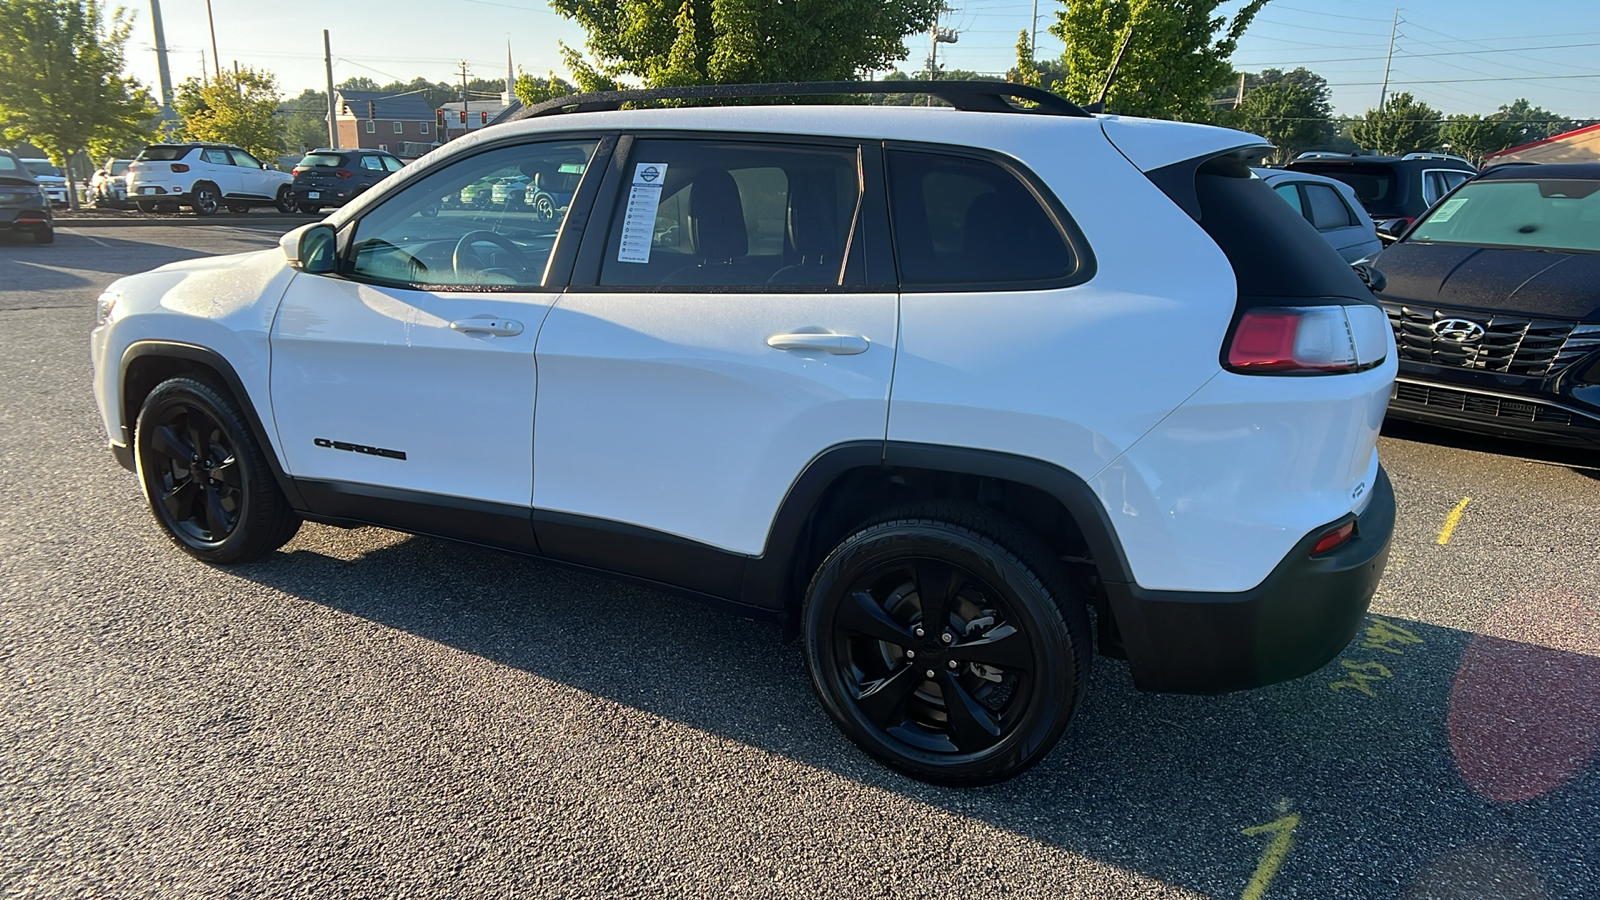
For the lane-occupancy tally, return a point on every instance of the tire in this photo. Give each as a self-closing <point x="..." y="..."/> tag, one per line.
<point x="284" y="202"/>
<point x="544" y="208"/>
<point x="1013" y="646"/>
<point x="148" y="207"/>
<point x="309" y="209"/>
<point x="239" y="208"/>
<point x="206" y="478"/>
<point x="205" y="200"/>
<point x="44" y="235"/>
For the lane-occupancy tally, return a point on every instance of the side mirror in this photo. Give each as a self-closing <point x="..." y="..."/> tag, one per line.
<point x="1391" y="229"/>
<point x="311" y="248"/>
<point x="1370" y="276"/>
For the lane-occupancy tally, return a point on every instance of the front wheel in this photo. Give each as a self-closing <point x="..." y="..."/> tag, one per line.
<point x="945" y="642"/>
<point x="206" y="478"/>
<point x="284" y="202"/>
<point x="205" y="200"/>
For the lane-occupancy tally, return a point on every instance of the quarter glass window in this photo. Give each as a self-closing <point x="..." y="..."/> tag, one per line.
<point x="724" y="214"/>
<point x="474" y="223"/>
<point x="1327" y="210"/>
<point x="1290" y="193"/>
<point x="960" y="221"/>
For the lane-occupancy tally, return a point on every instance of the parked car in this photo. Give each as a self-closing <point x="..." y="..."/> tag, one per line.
<point x="109" y="186"/>
<point x="1494" y="297"/>
<point x="335" y="177"/>
<point x="1186" y="449"/>
<point x="1393" y="190"/>
<point x="24" y="206"/>
<point x="50" y="179"/>
<point x="1331" y="207"/>
<point x="206" y="177"/>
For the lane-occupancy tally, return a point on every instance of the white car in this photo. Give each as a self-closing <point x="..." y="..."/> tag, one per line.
<point x="932" y="401"/>
<point x="51" y="181"/>
<point x="205" y="177"/>
<point x="1332" y="209"/>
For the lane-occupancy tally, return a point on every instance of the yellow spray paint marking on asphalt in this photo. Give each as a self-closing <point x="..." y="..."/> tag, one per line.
<point x="1283" y="839"/>
<point x="1452" y="521"/>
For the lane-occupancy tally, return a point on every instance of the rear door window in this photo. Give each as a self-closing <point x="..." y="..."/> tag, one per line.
<point x="962" y="222"/>
<point x="725" y="214"/>
<point x="372" y="163"/>
<point x="1328" y="211"/>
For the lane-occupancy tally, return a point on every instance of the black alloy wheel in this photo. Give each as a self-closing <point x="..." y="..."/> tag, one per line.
<point x="206" y="199"/>
<point x="945" y="642"/>
<point x="207" y="481"/>
<point x="544" y="208"/>
<point x="284" y="201"/>
<point x="239" y="208"/>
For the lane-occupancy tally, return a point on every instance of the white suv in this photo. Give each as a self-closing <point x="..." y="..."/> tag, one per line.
<point x="939" y="387"/>
<point x="205" y="177"/>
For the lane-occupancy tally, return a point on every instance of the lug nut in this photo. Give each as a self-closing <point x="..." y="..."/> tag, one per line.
<point x="946" y="637"/>
<point x="953" y="664"/>
<point x="918" y="632"/>
<point x="930" y="673"/>
<point x="911" y="654"/>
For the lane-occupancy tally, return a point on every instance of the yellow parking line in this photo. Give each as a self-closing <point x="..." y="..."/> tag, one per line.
<point x="1452" y="521"/>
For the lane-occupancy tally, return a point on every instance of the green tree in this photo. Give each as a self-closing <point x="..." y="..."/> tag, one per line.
<point x="62" y="86"/>
<point x="233" y="108"/>
<point x="1174" y="60"/>
<point x="305" y="120"/>
<point x="1475" y="137"/>
<point x="1527" y="123"/>
<point x="1287" y="114"/>
<point x="532" y="91"/>
<point x="1403" y="124"/>
<point x="673" y="42"/>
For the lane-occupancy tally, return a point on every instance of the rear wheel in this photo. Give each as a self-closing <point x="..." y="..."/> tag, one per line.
<point x="149" y="207"/>
<point x="945" y="642"/>
<point x="206" y="199"/>
<point x="284" y="202"/>
<point x="206" y="478"/>
<point x="240" y="208"/>
<point x="45" y="235"/>
<point x="309" y="209"/>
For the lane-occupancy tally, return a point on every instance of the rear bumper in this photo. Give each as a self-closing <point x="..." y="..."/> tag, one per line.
<point x="28" y="218"/>
<point x="1290" y="625"/>
<point x="325" y="196"/>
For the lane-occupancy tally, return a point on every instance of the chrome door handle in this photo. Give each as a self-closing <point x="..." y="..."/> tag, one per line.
<point x="837" y="344"/>
<point x="486" y="325"/>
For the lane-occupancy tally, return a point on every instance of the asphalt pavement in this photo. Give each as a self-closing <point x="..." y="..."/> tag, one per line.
<point x="370" y="714"/>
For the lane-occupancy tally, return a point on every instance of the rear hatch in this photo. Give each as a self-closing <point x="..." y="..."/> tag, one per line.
<point x="323" y="170"/>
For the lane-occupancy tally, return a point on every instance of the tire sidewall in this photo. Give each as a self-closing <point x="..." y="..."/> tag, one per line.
<point x="284" y="201"/>
<point x="1026" y="600"/>
<point x="181" y="393"/>
<point x="206" y="199"/>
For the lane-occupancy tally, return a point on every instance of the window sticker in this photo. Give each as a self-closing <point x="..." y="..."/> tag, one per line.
<point x="639" y="222"/>
<point x="1448" y="208"/>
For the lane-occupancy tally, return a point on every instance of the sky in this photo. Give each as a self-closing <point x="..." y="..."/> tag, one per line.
<point x="1460" y="56"/>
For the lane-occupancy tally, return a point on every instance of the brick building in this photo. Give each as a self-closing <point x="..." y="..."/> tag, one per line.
<point x="374" y="121"/>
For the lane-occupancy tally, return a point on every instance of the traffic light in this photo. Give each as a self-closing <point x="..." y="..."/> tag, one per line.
<point x="438" y="119"/>
<point x="463" y="115"/>
<point x="371" y="108"/>
<point x="483" y="118"/>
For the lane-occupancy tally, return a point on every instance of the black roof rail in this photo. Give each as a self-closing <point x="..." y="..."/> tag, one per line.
<point x="979" y="96"/>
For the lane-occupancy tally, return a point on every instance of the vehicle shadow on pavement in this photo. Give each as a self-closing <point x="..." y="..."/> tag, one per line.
<point x="1584" y="461"/>
<point x="1424" y="762"/>
<point x="115" y="256"/>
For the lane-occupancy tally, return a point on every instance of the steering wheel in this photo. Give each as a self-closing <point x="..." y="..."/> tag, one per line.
<point x="464" y="250"/>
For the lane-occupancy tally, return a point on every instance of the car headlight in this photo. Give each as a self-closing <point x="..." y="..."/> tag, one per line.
<point x="103" y="306"/>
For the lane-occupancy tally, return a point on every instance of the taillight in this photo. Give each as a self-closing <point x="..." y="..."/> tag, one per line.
<point x="345" y="173"/>
<point x="299" y="169"/>
<point x="180" y="167"/>
<point x="1334" y="539"/>
<point x="1308" y="340"/>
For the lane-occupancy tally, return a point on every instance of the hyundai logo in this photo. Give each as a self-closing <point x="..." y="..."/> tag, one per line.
<point x="1462" y="331"/>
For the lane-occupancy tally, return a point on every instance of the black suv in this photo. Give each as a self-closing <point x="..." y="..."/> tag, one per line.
<point x="23" y="206"/>
<point x="1392" y="188"/>
<point x="1494" y="296"/>
<point x="335" y="177"/>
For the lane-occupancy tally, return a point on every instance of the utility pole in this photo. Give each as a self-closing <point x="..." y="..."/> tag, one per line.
<point x="215" y="59"/>
<point x="161" y="61"/>
<point x="1238" y="99"/>
<point x="1033" y="28"/>
<point x="333" y="120"/>
<point x="466" y="105"/>
<point x="1384" y="94"/>
<point x="203" y="68"/>
<point x="938" y="35"/>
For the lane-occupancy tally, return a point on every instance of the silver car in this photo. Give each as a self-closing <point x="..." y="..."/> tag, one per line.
<point x="1330" y="206"/>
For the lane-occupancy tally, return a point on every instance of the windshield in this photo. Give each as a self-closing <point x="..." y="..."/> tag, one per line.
<point x="162" y="153"/>
<point x="40" y="167"/>
<point x="1554" y="214"/>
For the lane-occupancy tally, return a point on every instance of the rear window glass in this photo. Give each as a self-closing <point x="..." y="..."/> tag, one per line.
<point x="1374" y="185"/>
<point x="160" y="153"/>
<point x="7" y="164"/>
<point x="969" y="222"/>
<point x="120" y="167"/>
<point x="323" y="159"/>
<point x="1556" y="214"/>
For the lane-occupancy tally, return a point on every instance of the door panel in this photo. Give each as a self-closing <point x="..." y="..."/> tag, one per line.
<point x="672" y="412"/>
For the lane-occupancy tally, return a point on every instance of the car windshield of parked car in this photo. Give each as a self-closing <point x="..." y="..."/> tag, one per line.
<point x="1552" y="214"/>
<point x="162" y="153"/>
<point x="43" y="168"/>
